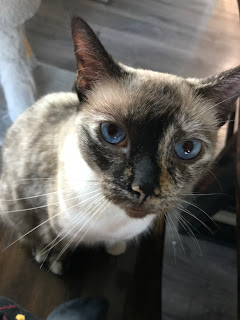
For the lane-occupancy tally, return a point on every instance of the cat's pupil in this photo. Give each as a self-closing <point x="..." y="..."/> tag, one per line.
<point x="112" y="130"/>
<point x="188" y="146"/>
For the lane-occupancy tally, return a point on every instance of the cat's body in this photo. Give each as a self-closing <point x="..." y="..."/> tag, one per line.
<point x="47" y="172"/>
<point x="102" y="168"/>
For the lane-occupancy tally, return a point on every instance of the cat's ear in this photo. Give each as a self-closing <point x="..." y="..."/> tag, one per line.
<point x="223" y="90"/>
<point x="93" y="62"/>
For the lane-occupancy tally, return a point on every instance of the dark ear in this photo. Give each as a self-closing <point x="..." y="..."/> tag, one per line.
<point x="222" y="89"/>
<point x="93" y="62"/>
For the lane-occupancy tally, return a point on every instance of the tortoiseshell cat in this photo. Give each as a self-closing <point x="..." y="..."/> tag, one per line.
<point x="99" y="166"/>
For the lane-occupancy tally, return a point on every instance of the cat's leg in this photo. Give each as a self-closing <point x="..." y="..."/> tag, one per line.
<point x="48" y="251"/>
<point x="39" y="255"/>
<point x="50" y="260"/>
<point x="116" y="248"/>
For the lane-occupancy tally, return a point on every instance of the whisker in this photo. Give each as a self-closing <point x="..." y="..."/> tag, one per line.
<point x="101" y="206"/>
<point x="177" y="233"/>
<point x="56" y="179"/>
<point x="205" y="194"/>
<point x="47" y="205"/>
<point x="185" y="220"/>
<point x="206" y="130"/>
<point x="188" y="230"/>
<point x="204" y="111"/>
<point x="173" y="241"/>
<point x="42" y="223"/>
<point x="36" y="196"/>
<point x="105" y="204"/>
<point x="54" y="243"/>
<point x="182" y="222"/>
<point x="207" y="215"/>
<point x="192" y="215"/>
<point x="70" y="242"/>
<point x="216" y="179"/>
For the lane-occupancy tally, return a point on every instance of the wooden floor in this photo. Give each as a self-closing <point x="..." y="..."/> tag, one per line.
<point x="131" y="283"/>
<point x="186" y="37"/>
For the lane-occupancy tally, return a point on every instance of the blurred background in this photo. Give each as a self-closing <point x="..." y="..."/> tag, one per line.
<point x="190" y="38"/>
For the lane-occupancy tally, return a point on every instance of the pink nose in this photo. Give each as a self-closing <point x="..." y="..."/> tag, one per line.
<point x="142" y="194"/>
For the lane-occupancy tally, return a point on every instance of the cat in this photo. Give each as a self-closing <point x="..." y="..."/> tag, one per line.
<point x="101" y="165"/>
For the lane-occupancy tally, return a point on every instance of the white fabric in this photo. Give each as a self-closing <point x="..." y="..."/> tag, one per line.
<point x="15" y="70"/>
<point x="15" y="12"/>
<point x="48" y="79"/>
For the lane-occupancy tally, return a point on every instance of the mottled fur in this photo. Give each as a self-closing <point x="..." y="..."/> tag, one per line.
<point x="58" y="171"/>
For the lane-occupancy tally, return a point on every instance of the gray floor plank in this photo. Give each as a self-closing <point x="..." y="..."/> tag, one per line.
<point x="159" y="35"/>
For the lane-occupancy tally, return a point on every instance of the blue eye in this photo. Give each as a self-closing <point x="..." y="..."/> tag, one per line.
<point x="188" y="149"/>
<point x="113" y="134"/>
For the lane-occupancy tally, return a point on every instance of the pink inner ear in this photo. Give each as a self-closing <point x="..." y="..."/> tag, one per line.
<point x="89" y="71"/>
<point x="93" y="62"/>
<point x="90" y="58"/>
<point x="90" y="66"/>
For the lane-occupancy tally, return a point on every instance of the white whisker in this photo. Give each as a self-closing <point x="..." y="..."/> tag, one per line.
<point x="54" y="243"/>
<point x="195" y="206"/>
<point x="36" y="196"/>
<point x="49" y="204"/>
<point x="56" y="179"/>
<point x="185" y="220"/>
<point x="205" y="194"/>
<point x="216" y="179"/>
<point x="188" y="230"/>
<point x="173" y="241"/>
<point x="177" y="233"/>
<point x="215" y="105"/>
<point x="70" y="242"/>
<point x="41" y="224"/>
<point x="192" y="215"/>
<point x="103" y="208"/>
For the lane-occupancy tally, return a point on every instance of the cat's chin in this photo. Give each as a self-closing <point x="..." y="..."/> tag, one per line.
<point x="137" y="212"/>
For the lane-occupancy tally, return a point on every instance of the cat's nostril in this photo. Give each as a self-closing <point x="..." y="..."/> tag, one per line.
<point x="140" y="192"/>
<point x="147" y="189"/>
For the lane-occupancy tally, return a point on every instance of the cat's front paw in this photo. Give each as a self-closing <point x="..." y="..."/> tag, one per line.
<point x="55" y="266"/>
<point x="116" y="248"/>
<point x="50" y="260"/>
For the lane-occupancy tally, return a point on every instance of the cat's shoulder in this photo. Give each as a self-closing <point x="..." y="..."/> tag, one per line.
<point x="48" y="112"/>
<point x="57" y="100"/>
<point x="51" y="108"/>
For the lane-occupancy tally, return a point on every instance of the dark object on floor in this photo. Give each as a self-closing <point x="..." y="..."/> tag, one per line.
<point x="77" y="309"/>
<point x="9" y="310"/>
<point x="81" y="309"/>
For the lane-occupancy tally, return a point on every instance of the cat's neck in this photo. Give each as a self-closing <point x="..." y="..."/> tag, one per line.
<point x="73" y="169"/>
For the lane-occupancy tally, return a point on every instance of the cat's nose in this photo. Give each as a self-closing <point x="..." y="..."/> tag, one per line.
<point x="145" y="190"/>
<point x="146" y="173"/>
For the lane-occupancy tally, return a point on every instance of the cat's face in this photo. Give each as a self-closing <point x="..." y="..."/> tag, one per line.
<point x="149" y="136"/>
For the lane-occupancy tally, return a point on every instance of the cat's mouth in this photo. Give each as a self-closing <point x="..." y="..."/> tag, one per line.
<point x="137" y="212"/>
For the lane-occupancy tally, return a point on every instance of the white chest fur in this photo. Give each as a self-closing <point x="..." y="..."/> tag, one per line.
<point x="88" y="217"/>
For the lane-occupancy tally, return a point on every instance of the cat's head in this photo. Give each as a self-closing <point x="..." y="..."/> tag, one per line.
<point x="149" y="136"/>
